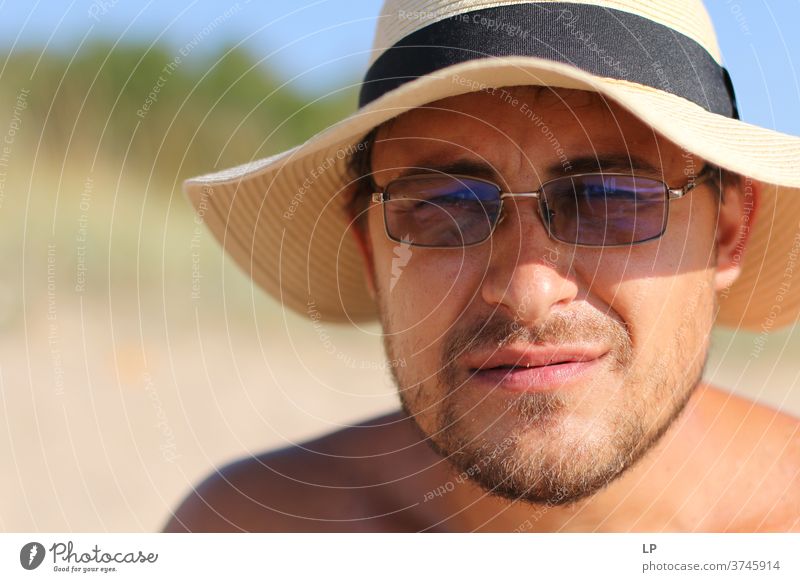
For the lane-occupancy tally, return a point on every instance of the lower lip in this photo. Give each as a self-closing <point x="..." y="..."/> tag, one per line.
<point x="536" y="379"/>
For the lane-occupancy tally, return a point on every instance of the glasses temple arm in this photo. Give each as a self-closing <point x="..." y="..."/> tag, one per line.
<point x="707" y="172"/>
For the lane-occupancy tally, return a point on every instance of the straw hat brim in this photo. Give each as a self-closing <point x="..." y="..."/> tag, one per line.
<point x="283" y="219"/>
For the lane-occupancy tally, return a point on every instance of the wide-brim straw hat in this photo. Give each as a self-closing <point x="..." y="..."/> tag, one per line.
<point x="284" y="219"/>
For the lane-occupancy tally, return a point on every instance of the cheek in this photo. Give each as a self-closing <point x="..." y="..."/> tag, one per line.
<point x="669" y="321"/>
<point x="422" y="289"/>
<point x="661" y="290"/>
<point x="428" y="294"/>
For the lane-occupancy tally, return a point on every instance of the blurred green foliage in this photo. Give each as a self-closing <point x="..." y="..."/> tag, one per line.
<point x="149" y="111"/>
<point x="94" y="145"/>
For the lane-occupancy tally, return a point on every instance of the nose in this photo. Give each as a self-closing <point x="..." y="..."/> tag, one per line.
<point x="529" y="275"/>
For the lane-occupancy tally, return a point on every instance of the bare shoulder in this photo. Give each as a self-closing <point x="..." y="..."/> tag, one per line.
<point x="763" y="444"/>
<point x="327" y="484"/>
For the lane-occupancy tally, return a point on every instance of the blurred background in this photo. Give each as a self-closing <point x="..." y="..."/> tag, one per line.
<point x="121" y="385"/>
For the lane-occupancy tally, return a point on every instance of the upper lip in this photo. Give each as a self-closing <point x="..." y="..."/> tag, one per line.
<point x="530" y="356"/>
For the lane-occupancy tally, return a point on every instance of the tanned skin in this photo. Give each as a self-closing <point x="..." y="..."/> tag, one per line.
<point x="673" y="452"/>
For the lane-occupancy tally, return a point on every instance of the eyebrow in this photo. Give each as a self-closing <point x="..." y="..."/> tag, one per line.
<point x="581" y="165"/>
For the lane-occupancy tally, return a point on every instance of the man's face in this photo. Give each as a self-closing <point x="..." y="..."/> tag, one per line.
<point x="634" y="321"/>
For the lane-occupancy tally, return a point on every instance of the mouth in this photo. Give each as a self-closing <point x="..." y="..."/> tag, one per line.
<point x="535" y="370"/>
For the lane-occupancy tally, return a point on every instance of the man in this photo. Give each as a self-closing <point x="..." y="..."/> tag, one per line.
<point x="548" y="219"/>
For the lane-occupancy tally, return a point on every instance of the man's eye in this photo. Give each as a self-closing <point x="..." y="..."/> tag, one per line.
<point x="440" y="201"/>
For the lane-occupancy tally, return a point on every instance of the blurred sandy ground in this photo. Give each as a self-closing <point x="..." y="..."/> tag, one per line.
<point x="120" y="394"/>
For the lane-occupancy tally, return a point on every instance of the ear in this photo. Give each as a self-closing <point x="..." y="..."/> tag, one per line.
<point x="361" y="235"/>
<point x="737" y="211"/>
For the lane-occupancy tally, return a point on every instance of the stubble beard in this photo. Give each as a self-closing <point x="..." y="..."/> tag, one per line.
<point x="528" y="454"/>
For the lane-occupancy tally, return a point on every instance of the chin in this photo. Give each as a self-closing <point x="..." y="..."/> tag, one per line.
<point x="545" y="448"/>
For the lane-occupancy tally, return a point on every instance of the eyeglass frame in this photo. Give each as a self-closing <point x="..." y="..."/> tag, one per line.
<point x="671" y="194"/>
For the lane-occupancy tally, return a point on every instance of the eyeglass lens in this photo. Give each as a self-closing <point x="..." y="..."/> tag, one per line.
<point x="441" y="210"/>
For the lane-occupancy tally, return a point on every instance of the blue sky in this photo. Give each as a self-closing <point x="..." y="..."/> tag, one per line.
<point x="326" y="41"/>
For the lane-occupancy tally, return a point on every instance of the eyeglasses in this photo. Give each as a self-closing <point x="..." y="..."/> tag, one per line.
<point x="594" y="210"/>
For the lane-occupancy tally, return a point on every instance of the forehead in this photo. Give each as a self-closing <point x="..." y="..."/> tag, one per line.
<point x="519" y="124"/>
